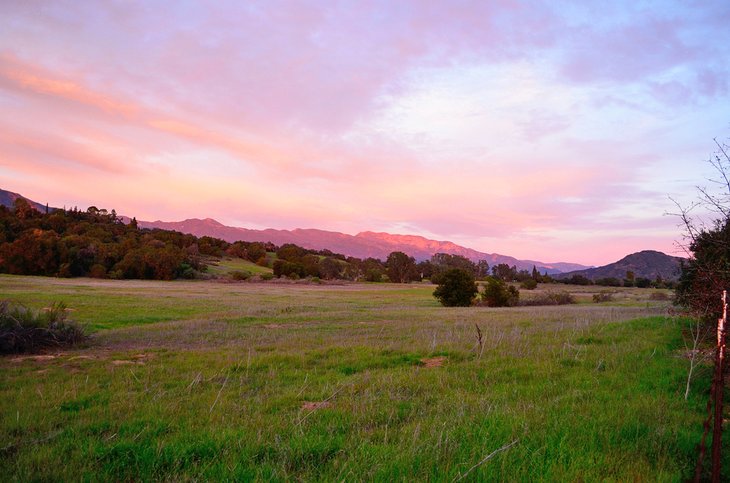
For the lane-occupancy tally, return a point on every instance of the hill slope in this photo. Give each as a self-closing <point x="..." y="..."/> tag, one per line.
<point x="7" y="198"/>
<point x="363" y="245"/>
<point x="647" y="264"/>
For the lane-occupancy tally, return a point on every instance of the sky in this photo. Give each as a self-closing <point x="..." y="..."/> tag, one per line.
<point x="544" y="130"/>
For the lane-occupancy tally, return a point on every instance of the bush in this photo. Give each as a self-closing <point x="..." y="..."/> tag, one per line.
<point x="659" y="296"/>
<point x="499" y="294"/>
<point x="608" y="282"/>
<point x="603" y="296"/>
<point x="373" y="275"/>
<point x="550" y="298"/>
<point x="24" y="330"/>
<point x="457" y="288"/>
<point x="529" y="284"/>
<point x="577" y="280"/>
<point x="240" y="275"/>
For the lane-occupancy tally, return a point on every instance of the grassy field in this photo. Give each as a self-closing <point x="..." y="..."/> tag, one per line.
<point x="226" y="265"/>
<point x="244" y="381"/>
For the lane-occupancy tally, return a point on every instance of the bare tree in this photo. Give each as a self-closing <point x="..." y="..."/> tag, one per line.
<point x="706" y="273"/>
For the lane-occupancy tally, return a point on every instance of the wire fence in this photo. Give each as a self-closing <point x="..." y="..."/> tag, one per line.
<point x="715" y="405"/>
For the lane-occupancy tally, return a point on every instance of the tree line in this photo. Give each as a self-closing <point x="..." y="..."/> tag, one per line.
<point x="96" y="243"/>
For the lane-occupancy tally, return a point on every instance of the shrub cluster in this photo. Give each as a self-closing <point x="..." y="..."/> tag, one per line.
<point x="25" y="330"/>
<point x="529" y="284"/>
<point x="603" y="296"/>
<point x="498" y="293"/>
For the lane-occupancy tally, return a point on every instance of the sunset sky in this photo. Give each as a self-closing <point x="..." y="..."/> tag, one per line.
<point x="555" y="131"/>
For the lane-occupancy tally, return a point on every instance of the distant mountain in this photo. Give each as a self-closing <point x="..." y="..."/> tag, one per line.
<point x="7" y="199"/>
<point x="647" y="264"/>
<point x="362" y="245"/>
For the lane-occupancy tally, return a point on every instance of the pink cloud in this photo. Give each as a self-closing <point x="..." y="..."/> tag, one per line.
<point x="50" y="151"/>
<point x="259" y="108"/>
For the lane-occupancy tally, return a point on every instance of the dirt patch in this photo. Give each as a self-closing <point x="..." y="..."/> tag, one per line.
<point x="433" y="361"/>
<point x="81" y="358"/>
<point x="124" y="362"/>
<point x="40" y="358"/>
<point x="274" y="326"/>
<point x="314" y="405"/>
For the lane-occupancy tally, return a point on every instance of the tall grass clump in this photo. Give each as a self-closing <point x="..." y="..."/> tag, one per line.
<point x="26" y="330"/>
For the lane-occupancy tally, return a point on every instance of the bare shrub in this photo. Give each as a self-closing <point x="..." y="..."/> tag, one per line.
<point x="603" y="296"/>
<point x="25" y="330"/>
<point x="551" y="297"/>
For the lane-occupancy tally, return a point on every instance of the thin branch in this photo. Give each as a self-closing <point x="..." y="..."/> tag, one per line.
<point x="219" y="394"/>
<point x="485" y="459"/>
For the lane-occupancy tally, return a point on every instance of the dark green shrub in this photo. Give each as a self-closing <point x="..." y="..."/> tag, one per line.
<point x="457" y="288"/>
<point x="578" y="280"/>
<point x="240" y="275"/>
<point x="529" y="284"/>
<point x="374" y="275"/>
<point x="499" y="294"/>
<point x="608" y="282"/>
<point x="25" y="330"/>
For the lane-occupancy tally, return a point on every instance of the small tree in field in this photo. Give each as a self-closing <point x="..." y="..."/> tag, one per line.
<point x="401" y="268"/>
<point x="500" y="294"/>
<point x="456" y="288"/>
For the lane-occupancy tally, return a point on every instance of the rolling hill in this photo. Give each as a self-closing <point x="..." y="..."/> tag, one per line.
<point x="645" y="264"/>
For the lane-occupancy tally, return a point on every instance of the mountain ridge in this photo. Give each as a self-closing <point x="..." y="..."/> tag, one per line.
<point x="362" y="245"/>
<point x="8" y="198"/>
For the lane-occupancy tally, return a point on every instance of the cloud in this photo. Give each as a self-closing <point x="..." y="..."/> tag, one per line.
<point x="492" y="122"/>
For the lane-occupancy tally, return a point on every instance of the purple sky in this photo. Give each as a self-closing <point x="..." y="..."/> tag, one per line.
<point x="546" y="130"/>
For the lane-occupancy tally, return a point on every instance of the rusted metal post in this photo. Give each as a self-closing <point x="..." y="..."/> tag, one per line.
<point x="719" y="389"/>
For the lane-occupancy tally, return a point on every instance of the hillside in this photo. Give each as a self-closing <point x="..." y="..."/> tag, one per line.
<point x="645" y="264"/>
<point x="363" y="245"/>
<point x="7" y="199"/>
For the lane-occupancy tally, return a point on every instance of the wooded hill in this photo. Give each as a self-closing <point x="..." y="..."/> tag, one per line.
<point x="97" y="243"/>
<point x="647" y="265"/>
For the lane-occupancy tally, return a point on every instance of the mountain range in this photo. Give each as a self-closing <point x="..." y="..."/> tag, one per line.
<point x="647" y="264"/>
<point x="363" y="245"/>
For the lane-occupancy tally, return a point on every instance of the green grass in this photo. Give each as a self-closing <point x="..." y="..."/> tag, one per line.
<point x="209" y="381"/>
<point x="226" y="265"/>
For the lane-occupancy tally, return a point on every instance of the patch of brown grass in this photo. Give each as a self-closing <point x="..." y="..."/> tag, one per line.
<point x="433" y="361"/>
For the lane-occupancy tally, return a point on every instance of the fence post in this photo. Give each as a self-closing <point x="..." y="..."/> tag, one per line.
<point x="719" y="383"/>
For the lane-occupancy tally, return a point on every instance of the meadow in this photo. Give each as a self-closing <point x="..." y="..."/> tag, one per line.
<point x="204" y="380"/>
